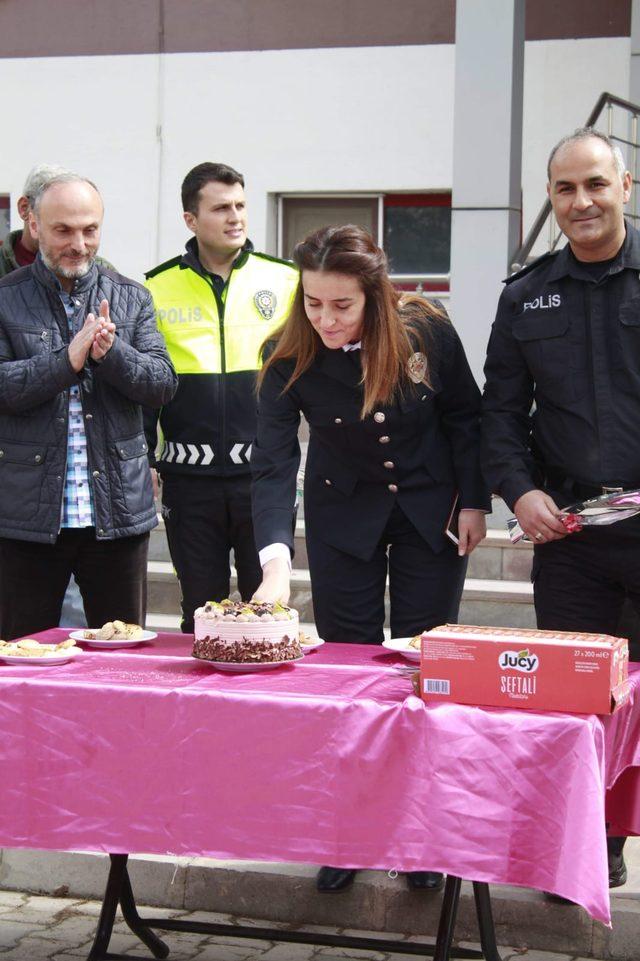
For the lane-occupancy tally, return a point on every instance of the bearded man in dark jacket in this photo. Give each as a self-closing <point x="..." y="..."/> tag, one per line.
<point x="79" y="355"/>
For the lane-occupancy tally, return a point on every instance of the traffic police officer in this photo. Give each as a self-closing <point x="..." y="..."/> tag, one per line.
<point x="566" y="340"/>
<point x="214" y="306"/>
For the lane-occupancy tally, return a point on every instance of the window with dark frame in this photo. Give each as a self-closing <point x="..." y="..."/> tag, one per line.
<point x="417" y="233"/>
<point x="413" y="229"/>
<point x="302" y="215"/>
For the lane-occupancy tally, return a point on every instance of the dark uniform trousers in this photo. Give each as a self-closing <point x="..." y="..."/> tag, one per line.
<point x="206" y="517"/>
<point x="567" y="336"/>
<point x="111" y="575"/>
<point x="425" y="587"/>
<point x="580" y="582"/>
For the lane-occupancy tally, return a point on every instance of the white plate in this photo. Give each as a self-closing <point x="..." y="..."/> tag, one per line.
<point x="122" y="642"/>
<point x="235" y="667"/>
<point x="47" y="661"/>
<point x="316" y="643"/>
<point x="400" y="645"/>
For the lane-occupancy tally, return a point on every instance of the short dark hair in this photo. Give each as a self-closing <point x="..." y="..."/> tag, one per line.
<point x="587" y="133"/>
<point x="200" y="176"/>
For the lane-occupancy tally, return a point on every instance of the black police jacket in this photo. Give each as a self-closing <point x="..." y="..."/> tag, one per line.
<point x="35" y="377"/>
<point x="569" y="346"/>
<point x="416" y="452"/>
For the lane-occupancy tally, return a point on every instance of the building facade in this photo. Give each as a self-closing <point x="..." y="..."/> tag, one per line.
<point x="333" y="109"/>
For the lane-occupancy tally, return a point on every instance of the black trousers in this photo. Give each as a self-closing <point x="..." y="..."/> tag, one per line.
<point x="580" y="582"/>
<point x="111" y="575"/>
<point x="348" y="593"/>
<point x="205" y="517"/>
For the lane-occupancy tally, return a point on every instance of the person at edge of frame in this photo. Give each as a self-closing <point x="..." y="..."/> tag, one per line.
<point x="567" y="338"/>
<point x="76" y="494"/>
<point x="215" y="305"/>
<point x="394" y="421"/>
<point x="19" y="249"/>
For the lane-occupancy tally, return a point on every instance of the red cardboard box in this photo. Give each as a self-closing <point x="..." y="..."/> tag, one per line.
<point x="538" y="670"/>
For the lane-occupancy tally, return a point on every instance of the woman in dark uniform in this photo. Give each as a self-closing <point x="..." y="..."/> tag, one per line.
<point x="393" y="414"/>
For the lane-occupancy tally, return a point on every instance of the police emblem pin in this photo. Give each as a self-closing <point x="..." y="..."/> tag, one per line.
<point x="417" y="367"/>
<point x="265" y="301"/>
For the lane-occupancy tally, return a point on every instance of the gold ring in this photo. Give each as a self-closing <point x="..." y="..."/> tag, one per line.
<point x="539" y="536"/>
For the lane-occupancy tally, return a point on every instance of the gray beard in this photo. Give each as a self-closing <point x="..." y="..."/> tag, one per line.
<point x="68" y="273"/>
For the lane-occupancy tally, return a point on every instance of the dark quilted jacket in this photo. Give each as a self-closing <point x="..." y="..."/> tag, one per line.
<point x="35" y="377"/>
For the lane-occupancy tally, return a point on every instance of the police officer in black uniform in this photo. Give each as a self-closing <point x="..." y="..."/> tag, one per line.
<point x="393" y="413"/>
<point x="561" y="419"/>
<point x="391" y="443"/>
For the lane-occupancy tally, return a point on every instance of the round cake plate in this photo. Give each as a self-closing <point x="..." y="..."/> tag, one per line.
<point x="47" y="660"/>
<point x="114" y="642"/>
<point x="241" y="667"/>
<point x="316" y="642"/>
<point x="400" y="645"/>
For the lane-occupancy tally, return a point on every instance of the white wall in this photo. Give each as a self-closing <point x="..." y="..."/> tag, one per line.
<point x="294" y="120"/>
<point x="351" y="119"/>
<point x="305" y="120"/>
<point x="96" y="115"/>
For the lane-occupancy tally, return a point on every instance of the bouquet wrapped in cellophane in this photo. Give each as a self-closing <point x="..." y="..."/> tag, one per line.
<point x="595" y="512"/>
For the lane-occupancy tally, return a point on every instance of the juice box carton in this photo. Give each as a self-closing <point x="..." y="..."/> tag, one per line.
<point x="536" y="670"/>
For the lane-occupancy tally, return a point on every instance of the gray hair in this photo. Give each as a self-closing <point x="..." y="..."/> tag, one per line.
<point x="37" y="177"/>
<point x="65" y="177"/>
<point x="586" y="133"/>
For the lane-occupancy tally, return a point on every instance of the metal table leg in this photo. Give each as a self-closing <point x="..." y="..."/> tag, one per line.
<point x="117" y="870"/>
<point x="485" y="921"/>
<point x="130" y="913"/>
<point x="447" y="923"/>
<point x="119" y="891"/>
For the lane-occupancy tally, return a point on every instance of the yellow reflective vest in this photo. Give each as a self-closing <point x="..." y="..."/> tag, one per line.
<point x="214" y="343"/>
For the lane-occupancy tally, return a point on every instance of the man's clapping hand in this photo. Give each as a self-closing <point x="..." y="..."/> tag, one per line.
<point x="105" y="334"/>
<point x="95" y="338"/>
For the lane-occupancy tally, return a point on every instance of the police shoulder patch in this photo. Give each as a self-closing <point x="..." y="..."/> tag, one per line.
<point x="532" y="266"/>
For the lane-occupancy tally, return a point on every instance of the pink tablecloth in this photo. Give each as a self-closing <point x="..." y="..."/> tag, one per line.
<point x="330" y="761"/>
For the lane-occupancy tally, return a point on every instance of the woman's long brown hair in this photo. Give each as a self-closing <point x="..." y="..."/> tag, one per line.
<point x="392" y="329"/>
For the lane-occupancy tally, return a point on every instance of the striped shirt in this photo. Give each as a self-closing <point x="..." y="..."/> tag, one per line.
<point x="77" y="500"/>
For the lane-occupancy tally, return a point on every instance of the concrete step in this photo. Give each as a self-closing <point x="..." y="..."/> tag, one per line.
<point x="163" y="623"/>
<point x="485" y="600"/>
<point x="286" y="893"/>
<point x="497" y="558"/>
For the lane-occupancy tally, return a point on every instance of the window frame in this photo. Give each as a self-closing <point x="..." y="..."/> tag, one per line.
<point x="442" y="198"/>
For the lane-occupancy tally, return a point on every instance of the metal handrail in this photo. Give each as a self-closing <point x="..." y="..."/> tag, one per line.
<point x="608" y="101"/>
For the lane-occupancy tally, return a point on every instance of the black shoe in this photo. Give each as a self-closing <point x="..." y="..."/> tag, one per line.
<point x="330" y="880"/>
<point x="617" y="871"/>
<point x="425" y="880"/>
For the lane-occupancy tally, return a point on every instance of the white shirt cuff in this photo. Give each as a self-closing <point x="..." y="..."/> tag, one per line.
<point x="274" y="550"/>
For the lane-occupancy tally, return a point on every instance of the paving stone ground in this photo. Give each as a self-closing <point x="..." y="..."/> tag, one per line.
<point x="36" y="928"/>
